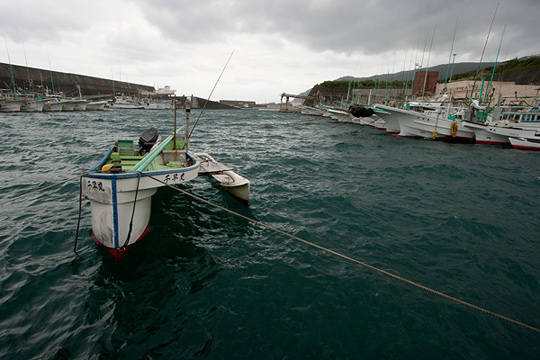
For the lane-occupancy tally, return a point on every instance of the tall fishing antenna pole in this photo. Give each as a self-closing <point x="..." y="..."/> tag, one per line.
<point x="483" y="50"/>
<point x="427" y="64"/>
<point x="50" y="71"/>
<point x="209" y="96"/>
<point x="10" y="69"/>
<point x="30" y="82"/>
<point x="451" y="52"/>
<point x="496" y="60"/>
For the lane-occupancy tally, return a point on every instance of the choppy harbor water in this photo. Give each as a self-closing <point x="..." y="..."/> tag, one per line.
<point x="461" y="219"/>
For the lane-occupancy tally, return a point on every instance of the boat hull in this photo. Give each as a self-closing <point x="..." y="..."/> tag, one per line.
<point x="483" y="136"/>
<point x="391" y="125"/>
<point x="524" y="144"/>
<point x="96" y="105"/>
<point x="340" y="116"/>
<point x="121" y="203"/>
<point x="429" y="126"/>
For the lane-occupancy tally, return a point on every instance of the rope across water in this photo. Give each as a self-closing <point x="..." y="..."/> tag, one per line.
<point x="345" y="257"/>
<point x="309" y="243"/>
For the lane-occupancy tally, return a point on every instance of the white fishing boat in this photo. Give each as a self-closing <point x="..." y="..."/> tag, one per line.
<point x="80" y="105"/>
<point x="391" y="125"/>
<point x="237" y="185"/>
<point x="404" y="119"/>
<point x="512" y="132"/>
<point x="310" y="110"/>
<point x="375" y="121"/>
<point x="55" y="105"/>
<point x="96" y="105"/>
<point x="486" y="135"/>
<point x="123" y="103"/>
<point x="34" y="105"/>
<point x="340" y="115"/>
<point x="525" y="144"/>
<point x="157" y="105"/>
<point x="503" y="122"/>
<point x="9" y="105"/>
<point x="444" y="123"/>
<point x="121" y="185"/>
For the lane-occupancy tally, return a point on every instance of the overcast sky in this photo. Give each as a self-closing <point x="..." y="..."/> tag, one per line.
<point x="279" y="46"/>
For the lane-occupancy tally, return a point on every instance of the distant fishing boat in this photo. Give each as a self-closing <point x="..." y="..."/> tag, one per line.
<point x="121" y="102"/>
<point x="34" y="105"/>
<point x="443" y="123"/>
<point x="96" y="105"/>
<point x="310" y="110"/>
<point x="504" y="122"/>
<point x="340" y="115"/>
<point x="9" y="104"/>
<point x="121" y="185"/>
<point x="525" y="144"/>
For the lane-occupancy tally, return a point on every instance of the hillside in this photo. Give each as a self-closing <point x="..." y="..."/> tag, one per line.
<point x="524" y="71"/>
<point x="402" y="75"/>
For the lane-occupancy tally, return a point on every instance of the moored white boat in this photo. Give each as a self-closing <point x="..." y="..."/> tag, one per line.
<point x="404" y="119"/>
<point x="340" y="115"/>
<point x="121" y="185"/>
<point x="80" y="105"/>
<point x="391" y="125"/>
<point x="483" y="136"/>
<point x="497" y="127"/>
<point x="509" y="132"/>
<point x="121" y="102"/>
<point x="311" y="111"/>
<point x="525" y="144"/>
<point x="436" y="124"/>
<point x="96" y="105"/>
<point x="9" y="105"/>
<point x="54" y="105"/>
<point x="34" y="105"/>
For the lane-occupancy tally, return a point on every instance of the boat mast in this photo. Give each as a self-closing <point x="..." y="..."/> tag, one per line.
<point x="483" y="50"/>
<point x="496" y="59"/>
<point x="427" y="64"/>
<point x="451" y="52"/>
<point x="50" y="71"/>
<point x="10" y="69"/>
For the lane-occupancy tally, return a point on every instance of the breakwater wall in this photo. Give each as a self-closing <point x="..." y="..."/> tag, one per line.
<point x="27" y="79"/>
<point x="33" y="79"/>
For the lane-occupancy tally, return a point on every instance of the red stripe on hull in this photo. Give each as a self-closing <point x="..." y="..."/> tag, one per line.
<point x="118" y="254"/>
<point x="525" y="148"/>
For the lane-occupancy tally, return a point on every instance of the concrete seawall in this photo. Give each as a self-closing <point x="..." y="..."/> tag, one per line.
<point x="32" y="79"/>
<point x="37" y="79"/>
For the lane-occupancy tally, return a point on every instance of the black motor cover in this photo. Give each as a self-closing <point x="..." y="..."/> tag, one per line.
<point x="148" y="139"/>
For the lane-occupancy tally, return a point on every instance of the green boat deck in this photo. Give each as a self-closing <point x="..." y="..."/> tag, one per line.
<point x="128" y="156"/>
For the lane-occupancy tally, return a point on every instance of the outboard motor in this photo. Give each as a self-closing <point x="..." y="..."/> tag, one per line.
<point x="148" y="139"/>
<point x="360" y="111"/>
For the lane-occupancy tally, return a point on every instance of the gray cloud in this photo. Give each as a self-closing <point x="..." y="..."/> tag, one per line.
<point x="352" y="26"/>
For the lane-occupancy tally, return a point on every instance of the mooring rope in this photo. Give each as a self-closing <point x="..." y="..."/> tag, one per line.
<point x="345" y="257"/>
<point x="80" y="214"/>
<point x="128" y="237"/>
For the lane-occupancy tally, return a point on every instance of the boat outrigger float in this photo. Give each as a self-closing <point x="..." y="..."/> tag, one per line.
<point x="121" y="185"/>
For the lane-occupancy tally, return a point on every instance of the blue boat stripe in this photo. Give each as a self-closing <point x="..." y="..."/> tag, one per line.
<point x="115" y="213"/>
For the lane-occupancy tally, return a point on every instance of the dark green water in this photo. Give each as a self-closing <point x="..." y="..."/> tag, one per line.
<point x="461" y="219"/>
